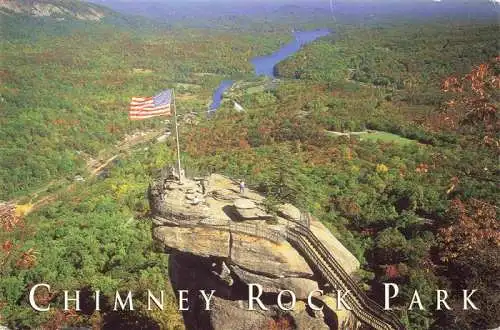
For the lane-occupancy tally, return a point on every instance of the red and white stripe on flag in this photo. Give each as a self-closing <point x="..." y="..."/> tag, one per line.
<point x="145" y="107"/>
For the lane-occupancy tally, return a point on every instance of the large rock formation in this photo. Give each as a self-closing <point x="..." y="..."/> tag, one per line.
<point x="55" y="8"/>
<point x="221" y="240"/>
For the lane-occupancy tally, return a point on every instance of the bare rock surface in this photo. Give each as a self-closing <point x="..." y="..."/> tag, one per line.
<point x="300" y="286"/>
<point x="339" y="251"/>
<point x="229" y="314"/>
<point x="225" y="240"/>
<point x="288" y="211"/>
<point x="198" y="241"/>
<point x="59" y="10"/>
<point x="248" y="210"/>
<point x="243" y="203"/>
<point x="263" y="256"/>
<point x="229" y="308"/>
<point x="342" y="315"/>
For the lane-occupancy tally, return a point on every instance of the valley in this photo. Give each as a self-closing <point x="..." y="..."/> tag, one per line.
<point x="415" y="199"/>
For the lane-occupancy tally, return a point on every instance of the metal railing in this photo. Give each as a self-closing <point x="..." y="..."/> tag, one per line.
<point x="305" y="219"/>
<point x="299" y="235"/>
<point x="365" y="309"/>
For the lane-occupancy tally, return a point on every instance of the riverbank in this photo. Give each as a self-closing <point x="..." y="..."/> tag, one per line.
<point x="265" y="65"/>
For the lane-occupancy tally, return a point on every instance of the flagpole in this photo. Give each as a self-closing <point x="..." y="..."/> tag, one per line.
<point x="177" y="137"/>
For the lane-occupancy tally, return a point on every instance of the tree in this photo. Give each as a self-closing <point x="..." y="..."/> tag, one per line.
<point x="391" y="247"/>
<point x="470" y="249"/>
<point x="474" y="225"/>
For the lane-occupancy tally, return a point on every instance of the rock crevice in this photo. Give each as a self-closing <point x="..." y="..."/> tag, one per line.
<point x="223" y="240"/>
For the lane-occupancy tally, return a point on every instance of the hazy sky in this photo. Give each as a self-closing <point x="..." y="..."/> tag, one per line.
<point x="299" y="1"/>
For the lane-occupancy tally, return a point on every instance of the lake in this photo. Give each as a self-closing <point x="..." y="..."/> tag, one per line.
<point x="264" y="65"/>
<point x="219" y="92"/>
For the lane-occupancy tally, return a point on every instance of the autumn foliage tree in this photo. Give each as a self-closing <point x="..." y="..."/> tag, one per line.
<point x="473" y="100"/>
<point x="475" y="226"/>
<point x="13" y="254"/>
<point x="12" y="251"/>
<point x="470" y="249"/>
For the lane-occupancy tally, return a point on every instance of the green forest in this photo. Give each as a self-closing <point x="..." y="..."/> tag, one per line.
<point x="415" y="198"/>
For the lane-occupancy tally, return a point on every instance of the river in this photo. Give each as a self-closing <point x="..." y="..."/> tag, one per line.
<point x="264" y="65"/>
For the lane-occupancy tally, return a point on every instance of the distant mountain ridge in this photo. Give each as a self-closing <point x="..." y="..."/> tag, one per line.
<point x="58" y="9"/>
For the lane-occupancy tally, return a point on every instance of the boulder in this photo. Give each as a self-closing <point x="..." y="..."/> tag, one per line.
<point x="248" y="210"/>
<point x="213" y="247"/>
<point x="298" y="285"/>
<point x="243" y="203"/>
<point x="288" y="211"/>
<point x="303" y="321"/>
<point x="201" y="241"/>
<point x="190" y="196"/>
<point x="343" y="316"/>
<point x="234" y="315"/>
<point x="262" y="256"/>
<point x="224" y="194"/>
<point x="346" y="259"/>
<point x="253" y="214"/>
<point x="217" y="181"/>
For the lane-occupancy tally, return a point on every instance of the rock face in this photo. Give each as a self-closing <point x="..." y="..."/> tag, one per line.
<point x="262" y="256"/>
<point x="199" y="241"/>
<point x="247" y="210"/>
<point x="221" y="240"/>
<point x="344" y="257"/>
<point x="289" y="212"/>
<point x="53" y="8"/>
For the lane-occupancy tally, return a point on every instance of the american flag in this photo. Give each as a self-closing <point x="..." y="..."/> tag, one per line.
<point x="148" y="107"/>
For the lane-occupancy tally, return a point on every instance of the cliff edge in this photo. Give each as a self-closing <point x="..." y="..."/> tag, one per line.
<point x="224" y="240"/>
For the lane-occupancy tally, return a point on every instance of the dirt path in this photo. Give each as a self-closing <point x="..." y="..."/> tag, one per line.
<point x="94" y="167"/>
<point x="348" y="133"/>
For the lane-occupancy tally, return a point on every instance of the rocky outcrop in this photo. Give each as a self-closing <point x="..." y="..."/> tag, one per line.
<point x="199" y="241"/>
<point x="221" y="239"/>
<point x="289" y="212"/>
<point x="229" y="307"/>
<point x="54" y="8"/>
<point x="299" y="285"/>
<point x="343" y="256"/>
<point x="248" y="210"/>
<point x="262" y="256"/>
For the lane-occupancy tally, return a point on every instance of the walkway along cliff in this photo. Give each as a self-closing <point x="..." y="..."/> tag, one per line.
<point x="222" y="240"/>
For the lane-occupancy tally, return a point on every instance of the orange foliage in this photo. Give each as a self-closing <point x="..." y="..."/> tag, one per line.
<point x="7" y="246"/>
<point x="475" y="226"/>
<point x="348" y="207"/>
<point x="244" y="144"/>
<point x="27" y="260"/>
<point x="10" y="221"/>
<point x="2" y="305"/>
<point x="280" y="324"/>
<point x="472" y="100"/>
<point x="392" y="271"/>
<point x="112" y="128"/>
<point x="422" y="168"/>
<point x="227" y="136"/>
<point x="61" y="319"/>
<point x="8" y="218"/>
